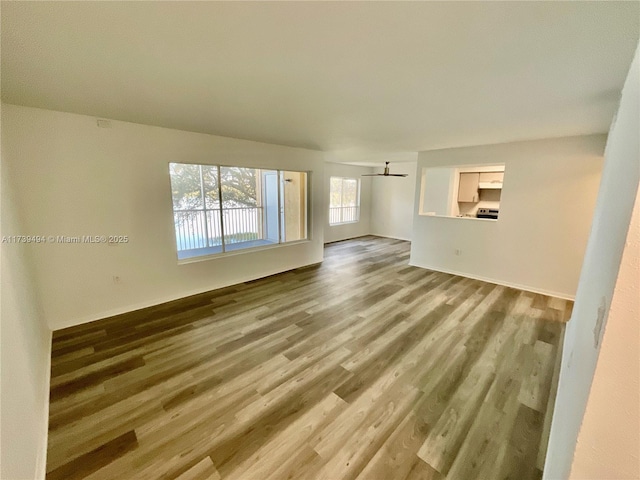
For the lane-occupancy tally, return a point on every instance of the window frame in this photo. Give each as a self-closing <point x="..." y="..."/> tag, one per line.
<point x="342" y="207"/>
<point x="235" y="251"/>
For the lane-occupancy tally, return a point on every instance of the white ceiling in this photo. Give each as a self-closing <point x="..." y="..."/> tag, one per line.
<point x="366" y="81"/>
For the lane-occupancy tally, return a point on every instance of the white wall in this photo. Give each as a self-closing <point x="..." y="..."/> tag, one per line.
<point x="584" y="332"/>
<point x="25" y="356"/>
<point x="609" y="441"/>
<point x="436" y="191"/>
<point x="546" y="207"/>
<point x="73" y="178"/>
<point x="334" y="233"/>
<point x="393" y="202"/>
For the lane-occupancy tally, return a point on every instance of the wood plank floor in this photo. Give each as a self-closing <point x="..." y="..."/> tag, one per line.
<point x="362" y="367"/>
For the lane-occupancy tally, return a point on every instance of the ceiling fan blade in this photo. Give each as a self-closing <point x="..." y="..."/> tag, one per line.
<point x="385" y="174"/>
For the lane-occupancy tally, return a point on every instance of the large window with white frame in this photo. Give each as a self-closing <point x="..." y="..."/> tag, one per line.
<point x="219" y="209"/>
<point x="344" y="203"/>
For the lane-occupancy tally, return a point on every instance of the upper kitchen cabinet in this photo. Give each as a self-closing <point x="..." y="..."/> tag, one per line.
<point x="471" y="184"/>
<point x="468" y="187"/>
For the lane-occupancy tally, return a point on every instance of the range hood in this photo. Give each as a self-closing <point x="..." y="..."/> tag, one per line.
<point x="490" y="185"/>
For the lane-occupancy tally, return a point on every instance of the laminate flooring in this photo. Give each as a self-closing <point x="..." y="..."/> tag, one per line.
<point x="359" y="368"/>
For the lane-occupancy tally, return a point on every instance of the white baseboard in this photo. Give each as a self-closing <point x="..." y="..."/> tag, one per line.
<point x="390" y="236"/>
<point x="160" y="300"/>
<point x="348" y="238"/>
<point x="368" y="235"/>
<point x="526" y="288"/>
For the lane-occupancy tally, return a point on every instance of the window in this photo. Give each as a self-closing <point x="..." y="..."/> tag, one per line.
<point x="344" y="205"/>
<point x="462" y="192"/>
<point x="220" y="209"/>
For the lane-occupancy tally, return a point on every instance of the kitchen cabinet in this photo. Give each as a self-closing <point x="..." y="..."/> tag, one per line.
<point x="468" y="187"/>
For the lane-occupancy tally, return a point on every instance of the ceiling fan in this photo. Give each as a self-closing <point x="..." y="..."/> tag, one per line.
<point x="386" y="173"/>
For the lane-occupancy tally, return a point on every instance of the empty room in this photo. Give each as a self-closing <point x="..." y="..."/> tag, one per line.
<point x="320" y="240"/>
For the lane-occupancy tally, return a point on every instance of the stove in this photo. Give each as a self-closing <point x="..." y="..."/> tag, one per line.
<point x="491" y="213"/>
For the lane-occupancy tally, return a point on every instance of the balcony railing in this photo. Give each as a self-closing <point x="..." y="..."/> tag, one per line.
<point x="343" y="215"/>
<point x="200" y="228"/>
